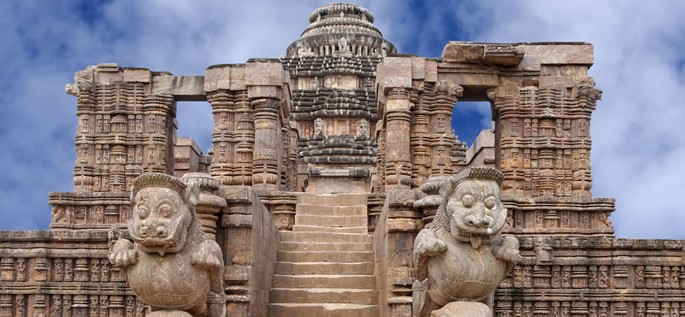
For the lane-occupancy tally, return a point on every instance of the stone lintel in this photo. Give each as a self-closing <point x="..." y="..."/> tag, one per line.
<point x="469" y="77"/>
<point x="183" y="88"/>
<point x="518" y="54"/>
<point x="224" y="77"/>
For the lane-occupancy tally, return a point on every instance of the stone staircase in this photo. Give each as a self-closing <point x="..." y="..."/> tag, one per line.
<point x="325" y="265"/>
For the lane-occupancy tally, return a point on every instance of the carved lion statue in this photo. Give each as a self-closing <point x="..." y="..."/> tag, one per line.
<point x="170" y="264"/>
<point x="461" y="257"/>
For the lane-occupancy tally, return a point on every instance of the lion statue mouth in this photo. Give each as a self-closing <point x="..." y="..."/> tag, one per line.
<point x="160" y="246"/>
<point x="476" y="239"/>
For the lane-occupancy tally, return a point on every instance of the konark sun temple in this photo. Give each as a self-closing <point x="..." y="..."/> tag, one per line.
<point x="335" y="186"/>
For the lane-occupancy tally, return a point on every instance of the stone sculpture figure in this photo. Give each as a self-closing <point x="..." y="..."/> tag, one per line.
<point x="170" y="264"/>
<point x="462" y="257"/>
<point x="318" y="127"/>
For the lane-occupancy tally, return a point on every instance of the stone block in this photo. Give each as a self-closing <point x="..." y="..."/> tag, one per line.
<point x="254" y="92"/>
<point x="237" y="273"/>
<point x="418" y="67"/>
<point x="229" y="77"/>
<point x="400" y="198"/>
<point x="556" y="81"/>
<point x="561" y="53"/>
<point x="431" y="69"/>
<point x="463" y="52"/>
<point x="502" y="54"/>
<point x="183" y="88"/>
<point x="108" y="67"/>
<point x="139" y="75"/>
<point x="237" y="220"/>
<point x="395" y="72"/>
<point x="264" y="73"/>
<point x="108" y="76"/>
<point x="401" y="105"/>
<point x="236" y="194"/>
<point x="404" y="224"/>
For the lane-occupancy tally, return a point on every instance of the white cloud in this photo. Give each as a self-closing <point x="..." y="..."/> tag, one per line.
<point x="638" y="64"/>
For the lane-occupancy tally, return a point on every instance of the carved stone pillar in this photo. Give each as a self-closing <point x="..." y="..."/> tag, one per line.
<point x="397" y="140"/>
<point x="442" y="104"/>
<point x="233" y="136"/>
<point x="266" y="156"/>
<point x="159" y="147"/>
<point x="123" y="129"/>
<point x="506" y="100"/>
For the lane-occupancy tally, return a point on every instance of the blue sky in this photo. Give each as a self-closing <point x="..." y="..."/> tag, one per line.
<point x="639" y="64"/>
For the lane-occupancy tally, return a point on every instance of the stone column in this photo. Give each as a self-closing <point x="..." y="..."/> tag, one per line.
<point x="506" y="100"/>
<point x="233" y="134"/>
<point x="267" y="151"/>
<point x="123" y="128"/>
<point x="83" y="90"/>
<point x="269" y="94"/>
<point x="397" y="140"/>
<point x="444" y="97"/>
<point x="394" y="80"/>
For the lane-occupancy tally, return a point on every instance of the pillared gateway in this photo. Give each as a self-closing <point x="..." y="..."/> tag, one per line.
<point x="336" y="187"/>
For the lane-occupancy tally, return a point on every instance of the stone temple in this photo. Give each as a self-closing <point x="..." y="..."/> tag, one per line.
<point x="327" y="163"/>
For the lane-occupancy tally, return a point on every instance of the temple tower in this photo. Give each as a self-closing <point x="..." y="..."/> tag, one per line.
<point x="332" y="67"/>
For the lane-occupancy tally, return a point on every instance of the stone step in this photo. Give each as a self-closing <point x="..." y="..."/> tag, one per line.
<point x="332" y="199"/>
<point x="314" y="246"/>
<point x="324" y="281"/>
<point x="325" y="256"/>
<point x="324" y="295"/>
<point x="310" y="209"/>
<point x="323" y="310"/>
<point x="323" y="237"/>
<point x="307" y="228"/>
<point x="308" y="268"/>
<point x="330" y="221"/>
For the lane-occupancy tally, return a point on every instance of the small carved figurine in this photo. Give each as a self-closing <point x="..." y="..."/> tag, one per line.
<point x="170" y="265"/>
<point x="462" y="257"/>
